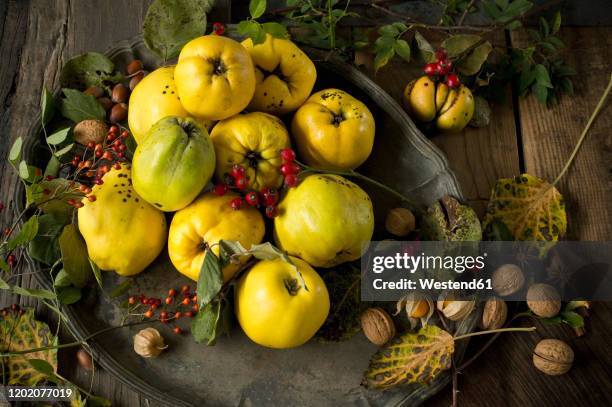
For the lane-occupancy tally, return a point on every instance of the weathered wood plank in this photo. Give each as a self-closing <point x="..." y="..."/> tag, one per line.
<point x="549" y="135"/>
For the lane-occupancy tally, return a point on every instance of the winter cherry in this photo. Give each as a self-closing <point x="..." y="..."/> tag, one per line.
<point x="218" y="28"/>
<point x="177" y="330"/>
<point x="252" y="198"/>
<point x="186" y="301"/>
<point x="189" y="314"/>
<point x="171" y="292"/>
<point x="441" y="54"/>
<point x="220" y="189"/>
<point x="91" y="145"/>
<point x="185" y="289"/>
<point x="237" y="171"/>
<point x="271" y="211"/>
<point x="452" y="80"/>
<point x="270" y="196"/>
<point x="113" y="129"/>
<point x="236" y="203"/>
<point x="194" y="299"/>
<point x="178" y="314"/>
<point x="195" y="307"/>
<point x="291" y="180"/>
<point x="107" y="155"/>
<point x="430" y="69"/>
<point x="241" y="183"/>
<point x="288" y="155"/>
<point x="148" y="314"/>
<point x="125" y="134"/>
<point x="168" y="300"/>
<point x="132" y="300"/>
<point x="163" y="315"/>
<point x="92" y="198"/>
<point x="117" y="166"/>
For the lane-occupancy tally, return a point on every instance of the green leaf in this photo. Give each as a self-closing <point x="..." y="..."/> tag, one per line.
<point x="45" y="247"/>
<point x="59" y="136"/>
<point x="24" y="170"/>
<point x="3" y="284"/>
<point x="412" y="358"/>
<point x="205" y="324"/>
<point x="77" y="106"/>
<point x="47" y="106"/>
<point x="170" y="24"/>
<point x="74" y="255"/>
<point x="257" y="8"/>
<point x="96" y="272"/>
<point x="90" y="69"/>
<point x="210" y="280"/>
<point x="275" y="29"/>
<point x="567" y="86"/>
<point x="556" y="42"/>
<point x="540" y="92"/>
<point x="427" y="51"/>
<point x="572" y="318"/>
<point x="229" y="249"/>
<point x="544" y="27"/>
<point x="542" y="77"/>
<point x="30" y="292"/>
<point x="15" y="153"/>
<point x="42" y="366"/>
<point x="27" y="232"/>
<point x="402" y="49"/>
<point x="383" y="55"/>
<point x="530" y="207"/>
<point x="122" y="288"/>
<point x="470" y="64"/>
<point x="21" y="332"/>
<point x="62" y="279"/>
<point x="68" y="295"/>
<point x="389" y="30"/>
<point x="96" y="401"/>
<point x="4" y="267"/>
<point x="556" y="23"/>
<point x="525" y="79"/>
<point x="53" y="166"/>
<point x="514" y="25"/>
<point x="253" y="30"/>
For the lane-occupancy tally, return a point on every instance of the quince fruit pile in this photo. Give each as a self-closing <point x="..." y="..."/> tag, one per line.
<point x="219" y="185"/>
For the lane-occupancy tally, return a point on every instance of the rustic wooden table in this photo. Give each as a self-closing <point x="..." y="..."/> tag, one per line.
<point x="39" y="35"/>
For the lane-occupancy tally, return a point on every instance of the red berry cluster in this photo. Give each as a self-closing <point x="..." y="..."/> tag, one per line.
<point x="442" y="68"/>
<point x="13" y="308"/>
<point x="98" y="159"/>
<point x="171" y="309"/>
<point x="289" y="169"/>
<point x="218" y="28"/>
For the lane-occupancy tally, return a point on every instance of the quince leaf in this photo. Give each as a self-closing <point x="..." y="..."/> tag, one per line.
<point x="170" y="24"/>
<point x="74" y="256"/>
<point x="412" y="358"/>
<point x="530" y="207"/>
<point x="83" y="71"/>
<point x="471" y="63"/>
<point x="77" y="106"/>
<point x="426" y="51"/>
<point x="20" y="332"/>
<point x="210" y="279"/>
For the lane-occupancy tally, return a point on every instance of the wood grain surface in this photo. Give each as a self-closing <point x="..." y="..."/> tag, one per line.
<point x="39" y="35"/>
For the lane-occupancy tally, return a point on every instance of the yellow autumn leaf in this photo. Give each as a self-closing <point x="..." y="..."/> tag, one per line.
<point x="412" y="358"/>
<point x="529" y="207"/>
<point x="20" y="332"/>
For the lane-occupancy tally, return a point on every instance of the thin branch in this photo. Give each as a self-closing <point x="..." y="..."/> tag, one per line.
<point x="465" y="12"/>
<point x="410" y="20"/>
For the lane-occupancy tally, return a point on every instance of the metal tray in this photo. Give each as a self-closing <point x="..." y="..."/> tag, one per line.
<point x="236" y="371"/>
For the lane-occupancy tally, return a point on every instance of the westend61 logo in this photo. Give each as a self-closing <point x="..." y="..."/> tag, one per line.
<point x="412" y="264"/>
<point x="392" y="269"/>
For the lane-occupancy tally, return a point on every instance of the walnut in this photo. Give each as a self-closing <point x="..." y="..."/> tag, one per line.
<point x="543" y="300"/>
<point x="377" y="326"/>
<point x="553" y="357"/>
<point x="90" y="131"/>
<point x="400" y="222"/>
<point x="494" y="314"/>
<point x="507" y="279"/>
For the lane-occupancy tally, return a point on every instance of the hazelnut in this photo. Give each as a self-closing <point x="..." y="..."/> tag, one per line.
<point x="118" y="113"/>
<point x="134" y="66"/>
<point x="400" y="222"/>
<point x="543" y="300"/>
<point x="494" y="314"/>
<point x="94" y="91"/>
<point x="89" y="131"/>
<point x="106" y="103"/>
<point x="149" y="343"/>
<point x="120" y="93"/>
<point x="377" y="326"/>
<point x="84" y="359"/>
<point x="136" y="80"/>
<point x="507" y="279"/>
<point x="553" y="357"/>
